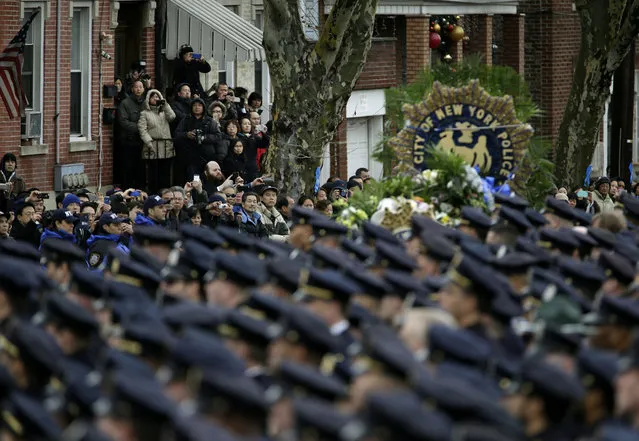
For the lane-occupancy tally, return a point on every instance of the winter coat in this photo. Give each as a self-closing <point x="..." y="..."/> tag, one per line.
<point x="274" y="223"/>
<point x="141" y="219"/>
<point x="5" y="177"/>
<point x="155" y="130"/>
<point x="128" y="116"/>
<point x="250" y="151"/>
<point x="198" y="154"/>
<point x="182" y="108"/>
<point x="98" y="248"/>
<point x="189" y="73"/>
<point x="56" y="234"/>
<point x="235" y="164"/>
<point x="250" y="224"/>
<point x="606" y="204"/>
<point x="27" y="233"/>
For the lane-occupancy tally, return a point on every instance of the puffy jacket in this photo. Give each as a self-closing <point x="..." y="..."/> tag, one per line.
<point x="606" y="204"/>
<point x="141" y="219"/>
<point x="98" y="247"/>
<point x="250" y="224"/>
<point x="128" y="117"/>
<point x="274" y="223"/>
<point x="198" y="154"/>
<point x="57" y="234"/>
<point x="235" y="164"/>
<point x="155" y="130"/>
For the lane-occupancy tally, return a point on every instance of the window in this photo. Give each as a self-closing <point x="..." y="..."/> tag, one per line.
<point x="81" y="72"/>
<point x="32" y="78"/>
<point x="309" y="15"/>
<point x="226" y="74"/>
<point x="259" y="19"/>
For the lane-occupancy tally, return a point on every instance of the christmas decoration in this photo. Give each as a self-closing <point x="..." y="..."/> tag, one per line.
<point x="437" y="28"/>
<point x="435" y="40"/>
<point x="457" y="33"/>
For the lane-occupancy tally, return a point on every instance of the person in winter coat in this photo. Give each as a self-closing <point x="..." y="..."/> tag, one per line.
<point x="181" y="105"/>
<point x="157" y="150"/>
<point x="250" y="148"/>
<point x="247" y="217"/>
<point x="273" y="221"/>
<point x="196" y="140"/>
<point x="188" y="69"/>
<point x="155" y="209"/>
<point x="229" y="135"/>
<point x="130" y="145"/>
<point x="9" y="176"/>
<point x="62" y="227"/>
<point x="235" y="162"/>
<point x="108" y="235"/>
<point x="602" y="197"/>
<point x="25" y="227"/>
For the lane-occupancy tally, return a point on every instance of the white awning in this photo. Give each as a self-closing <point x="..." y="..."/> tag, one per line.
<point x="212" y="30"/>
<point x="444" y="7"/>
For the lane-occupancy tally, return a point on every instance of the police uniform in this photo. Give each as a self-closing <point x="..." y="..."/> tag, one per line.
<point x="98" y="246"/>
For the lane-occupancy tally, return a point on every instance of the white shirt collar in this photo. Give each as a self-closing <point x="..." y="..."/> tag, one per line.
<point x="339" y="327"/>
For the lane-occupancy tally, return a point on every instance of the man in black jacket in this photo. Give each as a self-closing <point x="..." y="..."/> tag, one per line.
<point x="188" y="68"/>
<point x="181" y="105"/>
<point x="130" y="145"/>
<point x="24" y="226"/>
<point x="195" y="140"/>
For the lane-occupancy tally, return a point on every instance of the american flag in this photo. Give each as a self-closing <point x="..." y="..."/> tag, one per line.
<point x="11" y="60"/>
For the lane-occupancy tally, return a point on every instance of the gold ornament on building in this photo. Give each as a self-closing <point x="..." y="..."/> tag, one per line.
<point x="457" y="33"/>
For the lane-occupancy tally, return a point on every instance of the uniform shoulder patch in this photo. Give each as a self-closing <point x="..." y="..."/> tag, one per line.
<point x="94" y="259"/>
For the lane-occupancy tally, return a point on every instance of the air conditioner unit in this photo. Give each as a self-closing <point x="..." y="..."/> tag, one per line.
<point x="33" y="125"/>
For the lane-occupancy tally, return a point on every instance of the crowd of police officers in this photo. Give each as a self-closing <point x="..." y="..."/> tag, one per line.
<point x="519" y="326"/>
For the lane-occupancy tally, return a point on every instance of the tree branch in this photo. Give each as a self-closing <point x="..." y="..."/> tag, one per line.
<point x="628" y="30"/>
<point x="285" y="41"/>
<point x="333" y="31"/>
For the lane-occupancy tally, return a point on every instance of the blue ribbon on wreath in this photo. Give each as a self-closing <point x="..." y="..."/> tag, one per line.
<point x="489" y="186"/>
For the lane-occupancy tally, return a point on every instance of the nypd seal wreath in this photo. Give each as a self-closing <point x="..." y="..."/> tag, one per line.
<point x="482" y="129"/>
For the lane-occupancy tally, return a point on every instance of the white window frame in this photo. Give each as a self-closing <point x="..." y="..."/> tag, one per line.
<point x="85" y="8"/>
<point x="37" y="36"/>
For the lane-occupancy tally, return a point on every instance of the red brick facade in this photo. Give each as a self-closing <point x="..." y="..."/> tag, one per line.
<point x="380" y="69"/>
<point x="38" y="169"/>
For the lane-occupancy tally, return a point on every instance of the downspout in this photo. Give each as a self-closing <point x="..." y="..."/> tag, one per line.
<point x="100" y="108"/>
<point x="58" y="49"/>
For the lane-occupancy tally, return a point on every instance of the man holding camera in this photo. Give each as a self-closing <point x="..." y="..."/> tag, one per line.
<point x="10" y="183"/>
<point x="188" y="68"/>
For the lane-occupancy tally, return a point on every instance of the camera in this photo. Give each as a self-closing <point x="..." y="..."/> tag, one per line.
<point x="223" y="206"/>
<point x="5" y="187"/>
<point x="43" y="195"/>
<point x="145" y="76"/>
<point x="199" y="136"/>
<point x="161" y="103"/>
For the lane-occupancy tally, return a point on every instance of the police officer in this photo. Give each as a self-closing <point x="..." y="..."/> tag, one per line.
<point x="108" y="234"/>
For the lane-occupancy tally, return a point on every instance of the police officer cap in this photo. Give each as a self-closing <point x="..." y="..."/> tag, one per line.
<point x="12" y="279"/>
<point x="324" y="226"/>
<point x="478" y="251"/>
<point x="305" y="328"/>
<point x="535" y="218"/>
<point x="235" y="239"/>
<point x="459" y="346"/>
<point x="182" y="315"/>
<point x="618" y="311"/>
<point x="369" y="283"/>
<point x="302" y="216"/>
<point x="582" y="218"/>
<point x="329" y="258"/>
<point x="58" y="250"/>
<point x="190" y="263"/>
<point x="359" y="317"/>
<point x="516" y="218"/>
<point x="586" y="242"/>
<point x="373" y="232"/>
<point x="150" y="234"/>
<point x="356" y="250"/>
<point x="67" y="314"/>
<point x="605" y="239"/>
<point x="316" y="284"/>
<point x="420" y="223"/>
<point x="515" y="263"/>
<point x="144" y="257"/>
<point x="628" y="250"/>
<point x="559" y="208"/>
<point x="234" y="392"/>
<point x="321" y="421"/>
<point x="402" y="283"/>
<point x="201" y="349"/>
<point x="510" y="201"/>
<point x="402" y="413"/>
<point x="82" y="391"/>
<point x="22" y="250"/>
<point x="270" y="249"/>
<point x="562" y="239"/>
<point x="581" y="272"/>
<point x="204" y="235"/>
<point x="284" y="273"/>
<point x="264" y="306"/>
<point x="126" y="270"/>
<point x="543" y="379"/>
<point x="301" y="380"/>
<point x="88" y="283"/>
<point x="475" y="217"/>
<point x="597" y="368"/>
<point x="437" y="247"/>
<point x="631" y="206"/>
<point x="240" y="326"/>
<point x="617" y="267"/>
<point x="241" y="269"/>
<point x="505" y="307"/>
<point x="148" y="338"/>
<point x="393" y="257"/>
<point x="34" y="347"/>
<point x="473" y="276"/>
<point x="26" y="418"/>
<point x="544" y="258"/>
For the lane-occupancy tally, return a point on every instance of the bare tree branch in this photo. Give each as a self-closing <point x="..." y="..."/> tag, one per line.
<point x="282" y="24"/>
<point x="628" y="31"/>
<point x="333" y="31"/>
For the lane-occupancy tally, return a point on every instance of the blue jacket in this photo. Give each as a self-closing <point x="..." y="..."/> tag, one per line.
<point x="99" y="246"/>
<point x="58" y="234"/>
<point x="141" y="219"/>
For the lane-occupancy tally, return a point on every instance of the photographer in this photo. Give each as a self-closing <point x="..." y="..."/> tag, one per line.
<point x="137" y="73"/>
<point x="188" y="68"/>
<point x="62" y="224"/>
<point x="196" y="138"/>
<point x="25" y="228"/>
<point x="218" y="212"/>
<point x="13" y="184"/>
<point x="5" y="226"/>
<point x="155" y="131"/>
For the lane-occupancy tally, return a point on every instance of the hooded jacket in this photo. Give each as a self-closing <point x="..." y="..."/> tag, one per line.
<point x="18" y="182"/>
<point x="57" y="234"/>
<point x="198" y="152"/>
<point x="189" y="73"/>
<point x="155" y="130"/>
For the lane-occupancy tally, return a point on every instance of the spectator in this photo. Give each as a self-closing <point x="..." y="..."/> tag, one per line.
<point x="260" y="133"/>
<point x="601" y="195"/>
<point x="194" y="193"/>
<point x="250" y="148"/>
<point x="195" y="215"/>
<point x="248" y="219"/>
<point x="181" y="105"/>
<point x="121" y="92"/>
<point x="155" y="132"/>
<point x="155" y="210"/>
<point x="307" y="201"/>
<point x="8" y="175"/>
<point x="229" y="136"/>
<point x="635" y="190"/>
<point x="322" y="194"/>
<point x="217" y="111"/>
<point x="71" y="203"/>
<point x="5" y="226"/>
<point x="177" y="212"/>
<point x="284" y="205"/>
<point x="572" y="200"/>
<point x="562" y="197"/>
<point x="89" y="210"/>
<point x="134" y="208"/>
<point x="61" y="227"/>
<point x="219" y="212"/>
<point x="363" y="173"/>
<point x="611" y="221"/>
<point x="325" y="207"/>
<point x="214" y="179"/>
<point x="188" y="68"/>
<point x="197" y="137"/>
<point x="254" y="103"/>
<point x="235" y="162"/>
<point x="130" y="147"/>
<point x="25" y="227"/>
<point x="338" y="191"/>
<point x="353" y="187"/>
<point x="137" y="73"/>
<point x="274" y="223"/>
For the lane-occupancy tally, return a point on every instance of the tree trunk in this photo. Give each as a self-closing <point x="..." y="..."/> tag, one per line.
<point x="608" y="28"/>
<point x="311" y="83"/>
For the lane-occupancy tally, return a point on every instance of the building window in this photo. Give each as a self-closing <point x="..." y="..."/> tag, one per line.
<point x="32" y="78"/>
<point x="259" y="19"/>
<point x="81" y="72"/>
<point x="226" y="74"/>
<point x="309" y="15"/>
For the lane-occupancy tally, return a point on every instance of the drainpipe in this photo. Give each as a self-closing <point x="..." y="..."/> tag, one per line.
<point x="100" y="109"/>
<point x="58" y="49"/>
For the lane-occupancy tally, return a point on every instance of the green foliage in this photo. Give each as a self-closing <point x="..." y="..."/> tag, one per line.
<point x="368" y="199"/>
<point x="540" y="170"/>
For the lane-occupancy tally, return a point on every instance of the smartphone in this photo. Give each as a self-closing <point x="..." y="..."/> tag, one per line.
<point x="107" y="200"/>
<point x="136" y="193"/>
<point x="236" y="100"/>
<point x="196" y="178"/>
<point x="196" y="56"/>
<point x="43" y="195"/>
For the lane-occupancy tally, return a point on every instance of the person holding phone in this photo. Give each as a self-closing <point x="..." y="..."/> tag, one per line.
<point x="188" y="68"/>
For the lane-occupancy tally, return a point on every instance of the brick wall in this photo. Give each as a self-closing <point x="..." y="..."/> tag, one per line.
<point x="338" y="151"/>
<point x="417" y="46"/>
<point x="380" y="69"/>
<point x="514" y="46"/>
<point x="479" y="30"/>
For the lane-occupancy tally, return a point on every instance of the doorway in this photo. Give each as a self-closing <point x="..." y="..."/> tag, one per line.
<point x="128" y="37"/>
